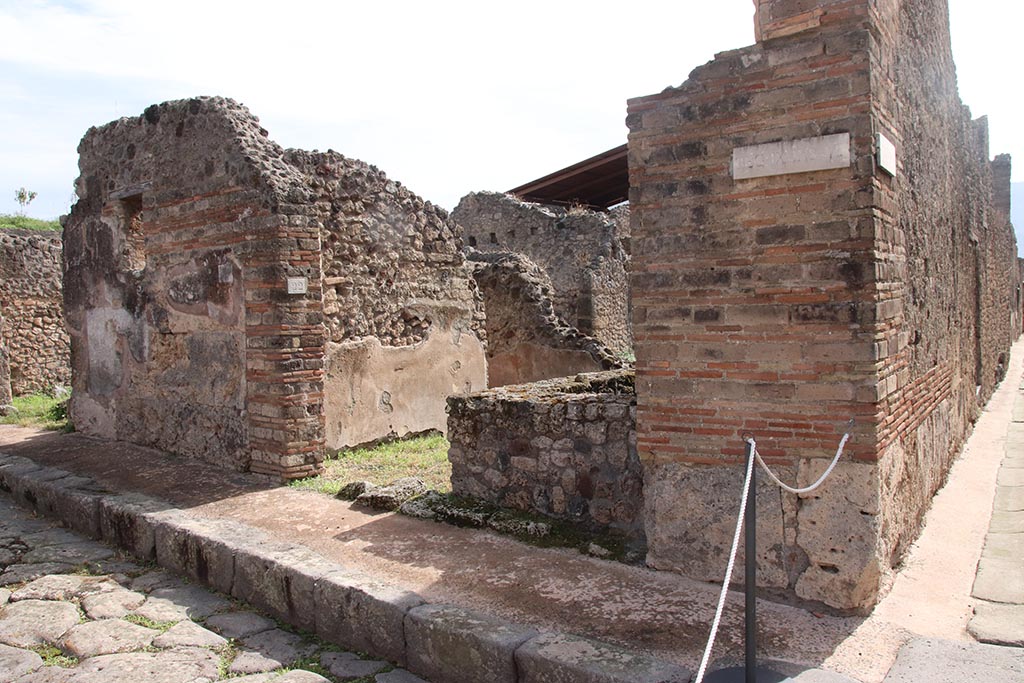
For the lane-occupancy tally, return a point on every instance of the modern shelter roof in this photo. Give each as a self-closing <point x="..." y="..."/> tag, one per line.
<point x="599" y="182"/>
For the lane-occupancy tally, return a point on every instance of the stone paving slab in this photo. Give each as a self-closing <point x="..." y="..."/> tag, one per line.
<point x="1000" y="580"/>
<point x="998" y="624"/>
<point x="1010" y="476"/>
<point x="1006" y="522"/>
<point x="943" y="661"/>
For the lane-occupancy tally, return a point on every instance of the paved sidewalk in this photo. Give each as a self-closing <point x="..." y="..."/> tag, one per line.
<point x="73" y="611"/>
<point x="999" y="586"/>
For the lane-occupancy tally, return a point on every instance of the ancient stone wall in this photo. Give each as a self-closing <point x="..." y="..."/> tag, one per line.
<point x="194" y="290"/>
<point x="403" y="316"/>
<point x="37" y="348"/>
<point x="580" y="251"/>
<point x="565" y="448"/>
<point x="791" y="271"/>
<point x="5" y="374"/>
<point x="526" y="340"/>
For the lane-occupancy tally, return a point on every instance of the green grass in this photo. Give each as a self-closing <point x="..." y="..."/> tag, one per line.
<point x="39" y="410"/>
<point x="25" y="223"/>
<point x="424" y="457"/>
<point x="140" y="620"/>
<point x="54" y="657"/>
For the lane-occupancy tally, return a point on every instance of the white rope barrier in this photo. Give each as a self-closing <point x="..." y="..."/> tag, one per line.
<point x="728" y="575"/>
<point x="716" y="622"/>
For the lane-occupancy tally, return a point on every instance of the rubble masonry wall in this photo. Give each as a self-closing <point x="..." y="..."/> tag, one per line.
<point x="565" y="448"/>
<point x="579" y="250"/>
<point x="32" y="340"/>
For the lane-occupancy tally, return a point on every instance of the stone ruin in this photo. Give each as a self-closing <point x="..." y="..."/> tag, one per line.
<point x="817" y="234"/>
<point x="34" y="347"/>
<point x="234" y="301"/>
<point x="584" y="253"/>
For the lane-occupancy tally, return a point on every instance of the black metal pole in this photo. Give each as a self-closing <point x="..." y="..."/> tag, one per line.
<point x="750" y="570"/>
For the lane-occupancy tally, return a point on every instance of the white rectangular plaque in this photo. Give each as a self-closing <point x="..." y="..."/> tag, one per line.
<point x="297" y="285"/>
<point x="886" y="155"/>
<point x="791" y="156"/>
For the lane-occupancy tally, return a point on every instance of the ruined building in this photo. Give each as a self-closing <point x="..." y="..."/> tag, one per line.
<point x="817" y="235"/>
<point x="583" y="252"/>
<point x="234" y="301"/>
<point x="33" y="342"/>
<point x="815" y="239"/>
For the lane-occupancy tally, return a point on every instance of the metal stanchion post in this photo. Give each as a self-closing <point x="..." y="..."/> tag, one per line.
<point x="750" y="673"/>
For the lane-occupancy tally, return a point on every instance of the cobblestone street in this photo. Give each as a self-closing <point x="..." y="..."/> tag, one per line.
<point x="74" y="611"/>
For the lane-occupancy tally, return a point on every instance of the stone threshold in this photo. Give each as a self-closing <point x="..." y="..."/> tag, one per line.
<point x="440" y="642"/>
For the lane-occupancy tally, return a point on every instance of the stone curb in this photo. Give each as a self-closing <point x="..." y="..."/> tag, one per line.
<point x="444" y="643"/>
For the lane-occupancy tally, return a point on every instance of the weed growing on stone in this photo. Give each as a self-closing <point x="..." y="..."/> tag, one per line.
<point x="41" y="411"/>
<point x="54" y="657"/>
<point x="424" y="457"/>
<point x="227" y="655"/>
<point x="138" y="620"/>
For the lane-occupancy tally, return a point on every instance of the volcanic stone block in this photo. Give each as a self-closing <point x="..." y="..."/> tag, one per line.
<point x="129" y="521"/>
<point x="553" y="658"/>
<point x="202" y="549"/>
<point x="358" y="613"/>
<point x="447" y="644"/>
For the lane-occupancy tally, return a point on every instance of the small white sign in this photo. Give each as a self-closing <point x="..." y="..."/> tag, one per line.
<point x="791" y="156"/>
<point x="297" y="285"/>
<point x="886" y="155"/>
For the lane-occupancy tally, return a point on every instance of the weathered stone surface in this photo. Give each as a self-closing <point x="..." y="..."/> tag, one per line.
<point x="358" y="613"/>
<point x="1010" y="476"/>
<point x="34" y="345"/>
<point x="270" y="650"/>
<point x="346" y="666"/>
<point x="129" y="521"/>
<point x="179" y="665"/>
<point x="19" y="573"/>
<point x="398" y="676"/>
<point x="300" y="676"/>
<point x="35" y="622"/>
<point x="354" y="489"/>
<point x="15" y="662"/>
<point x="70" y="553"/>
<point x="999" y="580"/>
<point x="64" y="587"/>
<point x="5" y="596"/>
<point x="556" y="657"/>
<point x="1005" y="546"/>
<point x="1006" y="522"/>
<point x="563" y="448"/>
<point x="392" y="496"/>
<point x="188" y="633"/>
<point x="239" y="624"/>
<point x="446" y="643"/>
<point x="944" y="661"/>
<point x="202" y="549"/>
<point x="112" y="605"/>
<point x="156" y="579"/>
<point x="197" y="602"/>
<point x="105" y="637"/>
<point x="583" y="257"/>
<point x="280" y="579"/>
<point x="998" y="624"/>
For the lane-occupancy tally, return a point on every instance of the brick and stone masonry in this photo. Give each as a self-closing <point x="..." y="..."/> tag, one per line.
<point x="582" y="252"/>
<point x="813" y="241"/>
<point x="34" y="347"/>
<point x="233" y="301"/>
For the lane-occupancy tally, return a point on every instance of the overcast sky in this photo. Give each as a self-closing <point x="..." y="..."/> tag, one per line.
<point x="446" y="97"/>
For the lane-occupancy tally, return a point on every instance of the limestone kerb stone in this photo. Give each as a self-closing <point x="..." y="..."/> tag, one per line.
<point x="555" y="657"/>
<point x="448" y="644"/>
<point x="200" y="548"/>
<point x="129" y="521"/>
<point x="281" y="579"/>
<point x="358" y="613"/>
<point x="74" y="500"/>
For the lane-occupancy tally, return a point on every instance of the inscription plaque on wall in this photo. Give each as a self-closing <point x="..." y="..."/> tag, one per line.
<point x="791" y="156"/>
<point x="297" y="285"/>
<point x="886" y="155"/>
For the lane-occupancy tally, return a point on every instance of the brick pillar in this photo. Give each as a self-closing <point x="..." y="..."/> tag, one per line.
<point x="285" y="349"/>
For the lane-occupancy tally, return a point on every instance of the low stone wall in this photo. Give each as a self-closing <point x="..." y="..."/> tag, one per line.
<point x="565" y="448"/>
<point x="33" y="340"/>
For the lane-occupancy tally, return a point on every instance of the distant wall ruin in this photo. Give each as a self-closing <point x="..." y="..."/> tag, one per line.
<point x="813" y="240"/>
<point x="581" y="251"/>
<point x="33" y="342"/>
<point x="236" y="302"/>
<point x="527" y="340"/>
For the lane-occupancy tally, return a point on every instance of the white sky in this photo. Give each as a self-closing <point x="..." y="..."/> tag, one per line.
<point x="445" y="96"/>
